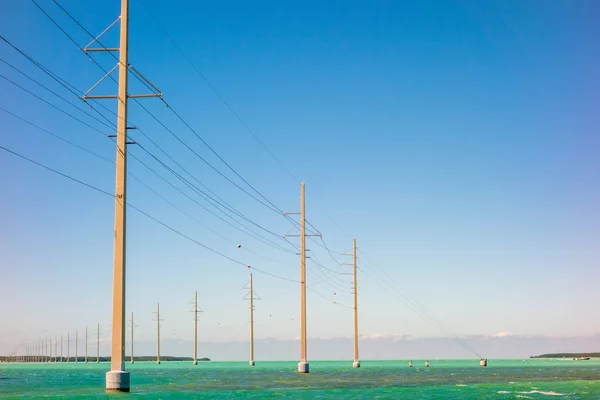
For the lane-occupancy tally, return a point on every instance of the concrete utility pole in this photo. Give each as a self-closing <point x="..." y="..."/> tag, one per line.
<point x="61" y="348"/>
<point x="158" y="319"/>
<point x="251" y="323"/>
<point x="117" y="379"/>
<point x="76" y="345"/>
<point x="303" y="364"/>
<point x="86" y="345"/>
<point x="251" y="296"/>
<point x="195" y="310"/>
<point x="132" y="326"/>
<point x="356" y="363"/>
<point x="98" y="344"/>
<point x="56" y="349"/>
<point x="196" y="328"/>
<point x="68" y="347"/>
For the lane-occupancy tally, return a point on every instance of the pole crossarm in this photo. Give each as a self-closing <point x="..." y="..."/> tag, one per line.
<point x="87" y="48"/>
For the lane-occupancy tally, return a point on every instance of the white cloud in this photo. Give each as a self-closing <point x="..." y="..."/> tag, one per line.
<point x="384" y="335"/>
<point x="502" y="334"/>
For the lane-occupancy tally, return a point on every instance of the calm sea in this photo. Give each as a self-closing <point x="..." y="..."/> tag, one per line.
<point x="444" y="379"/>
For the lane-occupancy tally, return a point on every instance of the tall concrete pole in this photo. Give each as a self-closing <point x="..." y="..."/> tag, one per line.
<point x="68" y="347"/>
<point x="251" y="322"/>
<point x="86" y="345"/>
<point x="131" y="337"/>
<point x="303" y="364"/>
<point x="196" y="328"/>
<point x="117" y="379"/>
<point x="98" y="345"/>
<point x="158" y="333"/>
<point x="56" y="349"/>
<point x="356" y="363"/>
<point x="61" y="348"/>
<point x="76" y="345"/>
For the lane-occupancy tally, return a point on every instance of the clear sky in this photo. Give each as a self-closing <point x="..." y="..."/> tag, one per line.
<point x="456" y="140"/>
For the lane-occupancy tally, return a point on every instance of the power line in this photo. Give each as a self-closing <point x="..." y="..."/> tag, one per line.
<point x="75" y="91"/>
<point x="146" y="214"/>
<point x="55" y="94"/>
<point x="418" y="308"/>
<point x="204" y="160"/>
<point x="252" y="233"/>
<point x="57" y="136"/>
<point x="65" y="83"/>
<point x="270" y="205"/>
<point x="56" y="172"/>
<point x="52" y="105"/>
<point x="70" y="16"/>
<point x="131" y="175"/>
<point x="227" y="105"/>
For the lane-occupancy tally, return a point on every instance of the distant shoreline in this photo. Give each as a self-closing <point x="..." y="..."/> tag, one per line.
<point x="567" y="355"/>
<point x="107" y="359"/>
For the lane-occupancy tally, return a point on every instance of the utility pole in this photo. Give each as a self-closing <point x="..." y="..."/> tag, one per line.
<point x="195" y="310"/>
<point x="356" y="363"/>
<point x="98" y="344"/>
<point x="61" y="348"/>
<point x="158" y="319"/>
<point x="68" y="348"/>
<point x="251" y="323"/>
<point x="86" y="345"/>
<point x="251" y="296"/>
<point x="132" y="326"/>
<point x="303" y="364"/>
<point x="55" y="349"/>
<point x="117" y="379"/>
<point x="76" y="345"/>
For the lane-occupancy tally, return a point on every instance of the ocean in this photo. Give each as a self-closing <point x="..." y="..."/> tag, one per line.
<point x="444" y="379"/>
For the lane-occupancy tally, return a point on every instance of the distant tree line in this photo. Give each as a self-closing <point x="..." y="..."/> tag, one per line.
<point x="567" y="355"/>
<point x="93" y="359"/>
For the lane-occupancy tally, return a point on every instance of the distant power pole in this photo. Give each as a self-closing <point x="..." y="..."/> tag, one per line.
<point x="356" y="363"/>
<point x="132" y="326"/>
<point x="158" y="319"/>
<point x="68" y="347"/>
<point x="61" y="347"/>
<point x="86" y="345"/>
<point x="76" y="345"/>
<point x="251" y="296"/>
<point x="98" y="344"/>
<point x="196" y="310"/>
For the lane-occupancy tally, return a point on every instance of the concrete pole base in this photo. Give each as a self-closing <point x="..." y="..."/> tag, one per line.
<point x="303" y="367"/>
<point x="356" y="364"/>
<point x="158" y="362"/>
<point x="195" y="363"/>
<point x="117" y="381"/>
<point x="251" y="363"/>
<point x="483" y="362"/>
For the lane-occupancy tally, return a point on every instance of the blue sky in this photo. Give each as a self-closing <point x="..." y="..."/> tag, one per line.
<point x="456" y="140"/>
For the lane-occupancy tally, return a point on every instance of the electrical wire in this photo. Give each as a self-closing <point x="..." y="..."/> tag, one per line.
<point x="146" y="215"/>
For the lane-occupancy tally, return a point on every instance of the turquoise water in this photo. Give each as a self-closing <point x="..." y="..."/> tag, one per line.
<point x="444" y="379"/>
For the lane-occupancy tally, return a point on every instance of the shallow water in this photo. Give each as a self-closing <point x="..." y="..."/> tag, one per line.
<point x="444" y="379"/>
